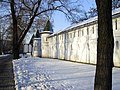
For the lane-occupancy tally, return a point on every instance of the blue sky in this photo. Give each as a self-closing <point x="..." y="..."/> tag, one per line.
<point x="60" y="22"/>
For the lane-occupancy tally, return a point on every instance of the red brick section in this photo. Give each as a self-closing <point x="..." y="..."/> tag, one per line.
<point x="6" y="73"/>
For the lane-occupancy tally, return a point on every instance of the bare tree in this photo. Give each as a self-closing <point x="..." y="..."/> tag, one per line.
<point x="92" y="12"/>
<point x="105" y="46"/>
<point x="34" y="8"/>
<point x="4" y="25"/>
<point x="115" y="4"/>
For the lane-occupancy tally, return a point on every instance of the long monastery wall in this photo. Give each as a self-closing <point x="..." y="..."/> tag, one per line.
<point x="80" y="43"/>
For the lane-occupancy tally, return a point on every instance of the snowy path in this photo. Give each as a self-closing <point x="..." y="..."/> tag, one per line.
<point x="53" y="74"/>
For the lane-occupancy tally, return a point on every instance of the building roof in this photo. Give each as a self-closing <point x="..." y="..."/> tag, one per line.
<point x="48" y="26"/>
<point x="90" y="20"/>
<point x="33" y="35"/>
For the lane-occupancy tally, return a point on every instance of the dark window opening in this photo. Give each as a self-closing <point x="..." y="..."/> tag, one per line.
<point x="116" y="24"/>
<point x="117" y="44"/>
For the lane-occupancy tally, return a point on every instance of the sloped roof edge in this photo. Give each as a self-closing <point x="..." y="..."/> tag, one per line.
<point x="114" y="12"/>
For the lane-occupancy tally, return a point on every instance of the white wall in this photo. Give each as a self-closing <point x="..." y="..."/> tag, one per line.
<point x="44" y="44"/>
<point x="37" y="47"/>
<point x="79" y="45"/>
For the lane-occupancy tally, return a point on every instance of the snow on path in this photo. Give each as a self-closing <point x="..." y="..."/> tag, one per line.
<point x="53" y="74"/>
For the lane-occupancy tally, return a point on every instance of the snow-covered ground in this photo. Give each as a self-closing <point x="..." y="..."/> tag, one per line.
<point x="4" y="55"/>
<point x="53" y="74"/>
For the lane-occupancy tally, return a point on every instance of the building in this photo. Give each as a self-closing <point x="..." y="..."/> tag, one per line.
<point x="40" y="43"/>
<point x="77" y="42"/>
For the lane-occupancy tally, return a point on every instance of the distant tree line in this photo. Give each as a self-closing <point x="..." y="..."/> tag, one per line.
<point x="92" y="12"/>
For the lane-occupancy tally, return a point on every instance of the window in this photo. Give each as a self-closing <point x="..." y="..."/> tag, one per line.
<point x="93" y="29"/>
<point x="35" y="48"/>
<point x="78" y="34"/>
<point x="116" y="24"/>
<point x="74" y="34"/>
<point x="87" y="31"/>
<point x="70" y="35"/>
<point x="67" y="36"/>
<point x="36" y="44"/>
<point x="71" y="47"/>
<point x="117" y="45"/>
<point x="62" y="36"/>
<point x="82" y="32"/>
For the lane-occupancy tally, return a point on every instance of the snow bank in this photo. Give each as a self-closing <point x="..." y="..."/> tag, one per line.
<point x="53" y="74"/>
<point x="4" y="55"/>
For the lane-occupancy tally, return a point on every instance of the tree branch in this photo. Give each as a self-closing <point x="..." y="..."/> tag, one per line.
<point x="29" y="24"/>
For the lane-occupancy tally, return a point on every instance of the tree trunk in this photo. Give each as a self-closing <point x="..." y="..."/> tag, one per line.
<point x="16" y="52"/>
<point x="105" y="46"/>
<point x="15" y="32"/>
<point x="0" y="47"/>
<point x="1" y="43"/>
